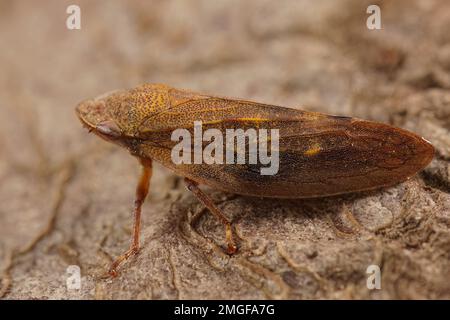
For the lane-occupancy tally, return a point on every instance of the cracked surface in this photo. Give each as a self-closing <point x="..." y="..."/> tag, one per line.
<point x="66" y="196"/>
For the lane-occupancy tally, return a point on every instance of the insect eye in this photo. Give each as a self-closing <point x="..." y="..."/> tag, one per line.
<point x="109" y="128"/>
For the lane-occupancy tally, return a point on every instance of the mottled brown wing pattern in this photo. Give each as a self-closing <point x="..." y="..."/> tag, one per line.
<point x="318" y="154"/>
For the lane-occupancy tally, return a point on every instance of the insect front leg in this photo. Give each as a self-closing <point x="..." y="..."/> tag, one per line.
<point x="141" y="193"/>
<point x="208" y="203"/>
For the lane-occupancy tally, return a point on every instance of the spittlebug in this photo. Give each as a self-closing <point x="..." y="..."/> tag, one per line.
<point x="319" y="155"/>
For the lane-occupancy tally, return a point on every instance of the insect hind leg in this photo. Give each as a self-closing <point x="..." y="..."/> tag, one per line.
<point x="208" y="203"/>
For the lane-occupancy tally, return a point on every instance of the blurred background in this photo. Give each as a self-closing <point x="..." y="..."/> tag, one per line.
<point x="65" y="196"/>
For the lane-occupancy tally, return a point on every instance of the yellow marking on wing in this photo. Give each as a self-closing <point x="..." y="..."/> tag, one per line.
<point x="315" y="149"/>
<point x="253" y="119"/>
<point x="238" y="119"/>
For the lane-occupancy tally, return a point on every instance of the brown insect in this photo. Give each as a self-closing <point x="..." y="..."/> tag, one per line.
<point x="319" y="155"/>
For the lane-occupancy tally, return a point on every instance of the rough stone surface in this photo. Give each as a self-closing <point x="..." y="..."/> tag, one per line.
<point x="66" y="196"/>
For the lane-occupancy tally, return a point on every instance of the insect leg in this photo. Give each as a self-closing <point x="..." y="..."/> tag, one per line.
<point x="208" y="203"/>
<point x="141" y="194"/>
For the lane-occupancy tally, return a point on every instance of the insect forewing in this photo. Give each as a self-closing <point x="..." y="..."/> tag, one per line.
<point x="319" y="154"/>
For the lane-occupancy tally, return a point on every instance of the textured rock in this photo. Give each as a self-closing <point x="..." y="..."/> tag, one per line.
<point x="66" y="196"/>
